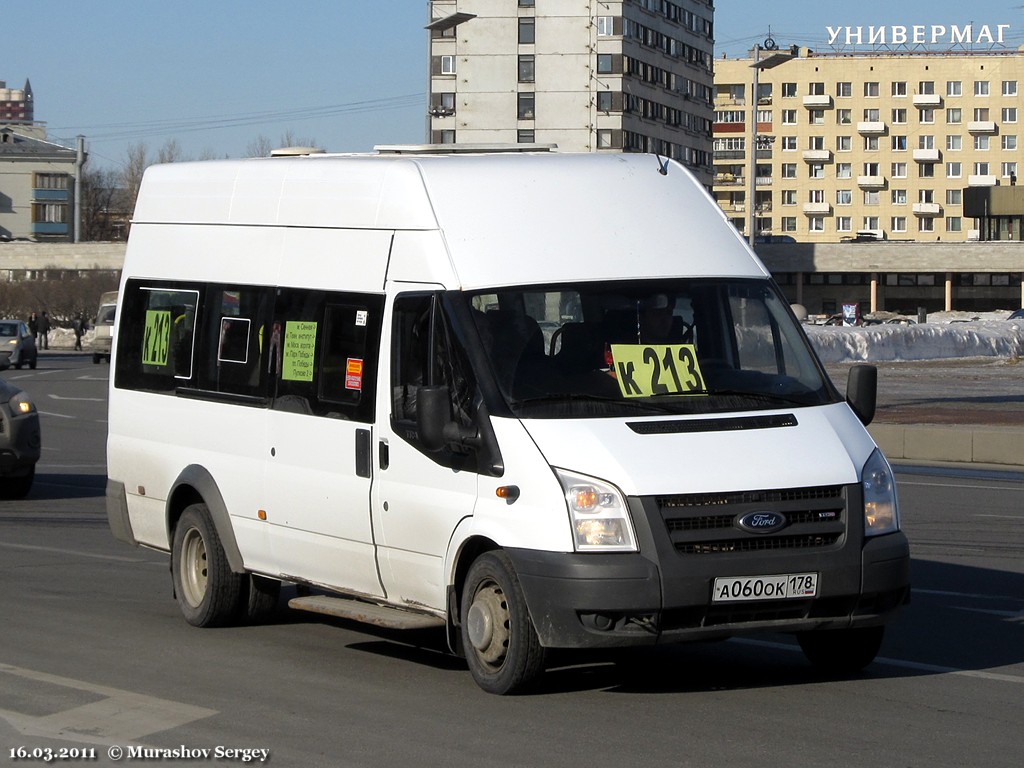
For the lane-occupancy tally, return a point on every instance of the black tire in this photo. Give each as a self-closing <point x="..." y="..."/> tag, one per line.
<point x="842" y="651"/>
<point x="95" y="359"/>
<point x="502" y="648"/>
<point x="206" y="589"/>
<point x="33" y="362"/>
<point x="257" y="600"/>
<point x="17" y="487"/>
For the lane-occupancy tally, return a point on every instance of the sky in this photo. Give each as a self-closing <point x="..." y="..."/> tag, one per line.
<point x="217" y="76"/>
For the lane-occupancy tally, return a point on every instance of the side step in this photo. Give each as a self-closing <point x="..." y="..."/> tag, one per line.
<point x="367" y="613"/>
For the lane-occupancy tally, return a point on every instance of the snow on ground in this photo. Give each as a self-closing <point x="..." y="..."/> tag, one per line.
<point x="945" y="335"/>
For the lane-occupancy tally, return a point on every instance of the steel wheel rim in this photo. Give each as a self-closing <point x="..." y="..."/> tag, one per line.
<point x="193" y="567"/>
<point x="488" y="621"/>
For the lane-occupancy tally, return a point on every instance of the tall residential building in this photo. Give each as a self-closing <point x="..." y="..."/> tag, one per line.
<point x="16" y="105"/>
<point x="888" y="145"/>
<point x="586" y="75"/>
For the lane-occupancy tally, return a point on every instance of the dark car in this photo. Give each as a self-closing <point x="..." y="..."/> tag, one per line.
<point x="17" y="344"/>
<point x="20" y="440"/>
<point x="1017" y="314"/>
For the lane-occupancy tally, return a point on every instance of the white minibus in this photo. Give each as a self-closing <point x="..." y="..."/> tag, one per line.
<point x="536" y="400"/>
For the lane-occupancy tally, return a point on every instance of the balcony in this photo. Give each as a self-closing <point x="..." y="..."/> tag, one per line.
<point x="981" y="180"/>
<point x="818" y="102"/>
<point x="927" y="210"/>
<point x="729" y="180"/>
<point x="927" y="100"/>
<point x="817" y="209"/>
<point x="926" y="155"/>
<point x="871" y="182"/>
<point x="818" y="155"/>
<point x="981" y="126"/>
<point x="871" y="128"/>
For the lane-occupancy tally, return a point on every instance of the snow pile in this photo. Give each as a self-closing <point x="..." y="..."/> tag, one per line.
<point x="945" y="335"/>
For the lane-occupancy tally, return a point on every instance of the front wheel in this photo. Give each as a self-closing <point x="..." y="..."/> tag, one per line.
<point x="842" y="651"/>
<point x="502" y="648"/>
<point x="207" y="590"/>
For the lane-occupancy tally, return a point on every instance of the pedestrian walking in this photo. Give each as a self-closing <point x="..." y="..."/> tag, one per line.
<point x="33" y="325"/>
<point x="44" y="330"/>
<point x="79" y="327"/>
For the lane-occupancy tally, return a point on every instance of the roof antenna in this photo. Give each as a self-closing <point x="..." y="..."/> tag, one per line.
<point x="662" y="165"/>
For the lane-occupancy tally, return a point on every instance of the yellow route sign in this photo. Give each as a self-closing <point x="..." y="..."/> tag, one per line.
<point x="645" y="370"/>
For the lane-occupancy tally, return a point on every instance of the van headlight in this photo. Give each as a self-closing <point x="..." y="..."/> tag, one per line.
<point x="881" y="512"/>
<point x="598" y="514"/>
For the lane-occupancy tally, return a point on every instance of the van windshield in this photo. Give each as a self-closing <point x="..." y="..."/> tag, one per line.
<point x="647" y="347"/>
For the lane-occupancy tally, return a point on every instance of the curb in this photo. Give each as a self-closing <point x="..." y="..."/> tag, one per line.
<point x="959" y="444"/>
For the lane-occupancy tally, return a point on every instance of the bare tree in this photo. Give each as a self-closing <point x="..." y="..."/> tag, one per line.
<point x="259" y="147"/>
<point x="104" y="211"/>
<point x="135" y="166"/>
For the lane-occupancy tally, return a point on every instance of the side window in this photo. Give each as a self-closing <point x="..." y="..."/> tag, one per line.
<point x="425" y="351"/>
<point x="233" y="326"/>
<point x="322" y="353"/>
<point x="157" y="336"/>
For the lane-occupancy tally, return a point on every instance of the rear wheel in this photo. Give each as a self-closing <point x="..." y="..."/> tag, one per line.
<point x="207" y="590"/>
<point x="502" y="648"/>
<point x="842" y="651"/>
<point x="17" y="487"/>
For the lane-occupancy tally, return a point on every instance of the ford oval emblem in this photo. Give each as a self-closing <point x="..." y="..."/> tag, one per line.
<point x="762" y="522"/>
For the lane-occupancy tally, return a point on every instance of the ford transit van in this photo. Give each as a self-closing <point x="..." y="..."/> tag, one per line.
<point x="535" y="400"/>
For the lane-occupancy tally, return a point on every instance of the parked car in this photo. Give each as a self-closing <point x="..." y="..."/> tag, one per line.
<point x="20" y="439"/>
<point x="17" y="344"/>
<point x="1017" y="314"/>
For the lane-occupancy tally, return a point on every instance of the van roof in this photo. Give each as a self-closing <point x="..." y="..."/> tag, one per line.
<point x="529" y="216"/>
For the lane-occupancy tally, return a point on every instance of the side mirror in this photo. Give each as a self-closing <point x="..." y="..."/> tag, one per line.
<point x="862" y="392"/>
<point x="432" y="414"/>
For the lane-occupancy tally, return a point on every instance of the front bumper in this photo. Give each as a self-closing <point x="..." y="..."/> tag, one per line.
<point x="663" y="593"/>
<point x="20" y="442"/>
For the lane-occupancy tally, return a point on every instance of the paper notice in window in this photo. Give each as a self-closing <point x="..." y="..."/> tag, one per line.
<point x="299" y="351"/>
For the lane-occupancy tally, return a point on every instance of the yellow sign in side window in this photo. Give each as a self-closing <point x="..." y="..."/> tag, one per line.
<point x="645" y="370"/>
<point x="299" y="350"/>
<point x="156" y="343"/>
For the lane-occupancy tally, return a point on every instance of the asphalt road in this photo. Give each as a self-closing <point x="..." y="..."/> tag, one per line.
<point x="94" y="654"/>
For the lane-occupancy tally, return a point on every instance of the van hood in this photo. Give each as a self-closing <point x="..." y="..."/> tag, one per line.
<point x="824" y="445"/>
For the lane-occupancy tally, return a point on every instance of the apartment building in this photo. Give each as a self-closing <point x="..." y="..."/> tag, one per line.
<point x="585" y="75"/>
<point x="16" y="104"/>
<point x="890" y="145"/>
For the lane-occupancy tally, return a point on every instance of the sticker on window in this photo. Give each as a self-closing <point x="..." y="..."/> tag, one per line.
<point x="354" y="374"/>
<point x="299" y="349"/>
<point x="156" y="342"/>
<point x="646" y="370"/>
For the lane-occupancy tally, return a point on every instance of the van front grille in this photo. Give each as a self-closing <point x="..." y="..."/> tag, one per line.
<point x="709" y="524"/>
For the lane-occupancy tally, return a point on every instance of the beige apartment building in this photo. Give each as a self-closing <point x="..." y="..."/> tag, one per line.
<point x="891" y="145"/>
<point x="585" y="75"/>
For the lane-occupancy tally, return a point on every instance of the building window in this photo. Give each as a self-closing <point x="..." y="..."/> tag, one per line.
<point x="789" y="117"/>
<point x="844" y="170"/>
<point x="816" y="224"/>
<point x="844" y="197"/>
<point x="899" y="197"/>
<point x="953" y="224"/>
<point x="981" y="143"/>
<point x="817" y="117"/>
<point x="870" y="143"/>
<point x="1009" y="114"/>
<point x="899" y="223"/>
<point x="844" y="144"/>
<point x="526" y="31"/>
<point x="954" y="170"/>
<point x="927" y="115"/>
<point x="954" y="88"/>
<point x="926" y="224"/>
<point x="871" y="197"/>
<point x="899" y="88"/>
<point x="788" y="223"/>
<point x="789" y="170"/>
<point x="525" y="137"/>
<point x="981" y="114"/>
<point x="844" y="224"/>
<point x="527" y="69"/>
<point x="605" y="26"/>
<point x="981" y="169"/>
<point x="899" y="143"/>
<point x="954" y="196"/>
<point x="789" y="197"/>
<point x="926" y="171"/>
<point x="954" y="116"/>
<point x="871" y="90"/>
<point x="1009" y="170"/>
<point x="446" y="136"/>
<point x="608" y="138"/>
<point x="605" y="64"/>
<point x="899" y="116"/>
<point x="49" y="213"/>
<point x="1009" y="87"/>
<point x="844" y="117"/>
<point x="871" y="222"/>
<point x="816" y="171"/>
<point x="50" y="181"/>
<point x="447" y="65"/>
<point x="844" y="90"/>
<point x="789" y="90"/>
<point x="525" y="106"/>
<point x="789" y="144"/>
<point x="526" y="3"/>
<point x="899" y="170"/>
<point x="981" y="87"/>
<point x="925" y="88"/>
<point x="954" y="142"/>
<point x="1009" y="141"/>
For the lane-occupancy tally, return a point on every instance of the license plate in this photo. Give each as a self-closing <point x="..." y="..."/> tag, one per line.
<point x="781" y="586"/>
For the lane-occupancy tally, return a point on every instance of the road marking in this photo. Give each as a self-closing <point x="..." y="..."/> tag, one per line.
<point x="943" y="593"/>
<point x="56" y="415"/>
<point x="118" y="717"/>
<point x="915" y="665"/>
<point x="79" y="399"/>
<point x="73" y="552"/>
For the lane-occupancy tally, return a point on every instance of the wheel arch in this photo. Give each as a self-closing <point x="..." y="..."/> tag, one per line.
<point x="463" y="557"/>
<point x="195" y="485"/>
